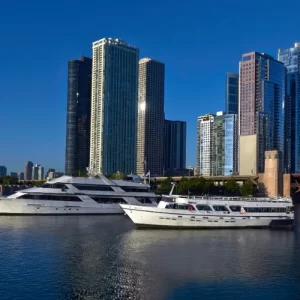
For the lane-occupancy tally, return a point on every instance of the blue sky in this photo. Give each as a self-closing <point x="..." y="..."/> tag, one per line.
<point x="199" y="41"/>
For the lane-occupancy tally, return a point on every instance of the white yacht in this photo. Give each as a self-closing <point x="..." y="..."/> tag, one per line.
<point x="213" y="212"/>
<point x="78" y="195"/>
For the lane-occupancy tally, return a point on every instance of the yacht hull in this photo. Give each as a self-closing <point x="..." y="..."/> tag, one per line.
<point x="157" y="218"/>
<point x="10" y="208"/>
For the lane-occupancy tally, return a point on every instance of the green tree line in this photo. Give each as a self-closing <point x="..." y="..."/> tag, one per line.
<point x="200" y="186"/>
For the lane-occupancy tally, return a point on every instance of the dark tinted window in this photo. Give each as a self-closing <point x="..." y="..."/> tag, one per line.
<point x="220" y="208"/>
<point x="265" y="209"/>
<point x="134" y="189"/>
<point x="106" y="200"/>
<point x="54" y="186"/>
<point x="203" y="207"/>
<point x="51" y="197"/>
<point x="235" y="208"/>
<point x="93" y="187"/>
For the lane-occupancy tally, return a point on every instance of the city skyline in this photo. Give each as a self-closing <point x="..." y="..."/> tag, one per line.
<point x="195" y="73"/>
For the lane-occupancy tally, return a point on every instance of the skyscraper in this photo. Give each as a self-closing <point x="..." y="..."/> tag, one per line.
<point x="21" y="175"/>
<point x="78" y="115"/>
<point x="114" y="106"/>
<point x="261" y="111"/>
<point x="150" y="134"/>
<point x="174" y="145"/>
<point x="28" y="170"/>
<point x="232" y="93"/>
<point x="41" y="173"/>
<point x="204" y="144"/>
<point x="35" y="172"/>
<point x="217" y="144"/>
<point x="291" y="59"/>
<point x="224" y="145"/>
<point x="3" y="171"/>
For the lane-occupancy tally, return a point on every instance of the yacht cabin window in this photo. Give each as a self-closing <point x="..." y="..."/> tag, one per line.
<point x="93" y="187"/>
<point x="109" y="200"/>
<point x="203" y="207"/>
<point x="235" y="208"/>
<point x="220" y="208"/>
<point x="264" y="209"/>
<point x="50" y="197"/>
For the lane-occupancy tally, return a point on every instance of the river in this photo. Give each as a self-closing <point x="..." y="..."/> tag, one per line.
<point x="105" y="257"/>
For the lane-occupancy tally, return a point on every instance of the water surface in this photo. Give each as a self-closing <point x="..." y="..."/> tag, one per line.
<point x="105" y="257"/>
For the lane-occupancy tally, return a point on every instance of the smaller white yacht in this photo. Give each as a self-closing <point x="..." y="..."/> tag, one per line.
<point x="213" y="212"/>
<point x="68" y="195"/>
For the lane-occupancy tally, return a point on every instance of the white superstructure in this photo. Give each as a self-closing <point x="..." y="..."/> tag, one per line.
<point x="218" y="212"/>
<point x="78" y="195"/>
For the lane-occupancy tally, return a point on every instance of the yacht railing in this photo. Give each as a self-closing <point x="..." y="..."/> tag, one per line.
<point x="247" y="199"/>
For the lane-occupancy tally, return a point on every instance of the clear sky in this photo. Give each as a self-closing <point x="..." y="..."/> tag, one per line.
<point x="198" y="40"/>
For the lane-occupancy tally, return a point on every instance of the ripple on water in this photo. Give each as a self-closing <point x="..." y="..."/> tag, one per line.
<point x="104" y="257"/>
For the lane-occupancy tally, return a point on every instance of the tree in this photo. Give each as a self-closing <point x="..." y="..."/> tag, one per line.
<point x="183" y="186"/>
<point x="231" y="186"/>
<point x="209" y="187"/>
<point x="247" y="189"/>
<point x="6" y="180"/>
<point x="38" y="182"/>
<point x="117" y="175"/>
<point x="165" y="186"/>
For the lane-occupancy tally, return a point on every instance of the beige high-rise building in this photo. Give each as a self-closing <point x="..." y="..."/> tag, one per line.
<point x="150" y="135"/>
<point x="114" y="107"/>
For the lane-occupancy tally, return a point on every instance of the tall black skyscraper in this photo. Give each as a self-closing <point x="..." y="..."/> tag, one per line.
<point x="78" y="115"/>
<point x="174" y="145"/>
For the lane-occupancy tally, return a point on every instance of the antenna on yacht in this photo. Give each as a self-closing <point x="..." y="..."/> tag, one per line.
<point x="173" y="186"/>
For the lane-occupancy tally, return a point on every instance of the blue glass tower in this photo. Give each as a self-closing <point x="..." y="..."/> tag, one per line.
<point x="232" y="93"/>
<point x="291" y="59"/>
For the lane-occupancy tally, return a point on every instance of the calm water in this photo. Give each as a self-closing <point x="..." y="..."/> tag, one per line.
<point x="95" y="257"/>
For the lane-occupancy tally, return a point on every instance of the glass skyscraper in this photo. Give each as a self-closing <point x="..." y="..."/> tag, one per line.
<point x="150" y="134"/>
<point x="291" y="59"/>
<point x="217" y="144"/>
<point x="261" y="111"/>
<point x="174" y="145"/>
<point x="114" y="107"/>
<point x="78" y="115"/>
<point x="232" y="93"/>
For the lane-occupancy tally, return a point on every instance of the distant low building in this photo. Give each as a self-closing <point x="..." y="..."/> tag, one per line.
<point x="3" y="171"/>
<point x="14" y="174"/>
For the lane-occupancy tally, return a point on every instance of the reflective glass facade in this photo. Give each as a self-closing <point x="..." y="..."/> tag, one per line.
<point x="232" y="93"/>
<point x="114" y="106"/>
<point x="217" y="145"/>
<point x="291" y="59"/>
<point x="174" y="145"/>
<point x="3" y="171"/>
<point x="261" y="105"/>
<point x="224" y="141"/>
<point x="78" y="115"/>
<point x="150" y="134"/>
